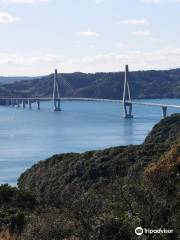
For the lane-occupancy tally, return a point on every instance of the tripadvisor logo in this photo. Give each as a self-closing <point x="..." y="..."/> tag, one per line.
<point x="140" y="231"/>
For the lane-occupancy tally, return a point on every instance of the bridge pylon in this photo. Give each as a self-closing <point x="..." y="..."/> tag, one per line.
<point x="56" y="94"/>
<point x="127" y="100"/>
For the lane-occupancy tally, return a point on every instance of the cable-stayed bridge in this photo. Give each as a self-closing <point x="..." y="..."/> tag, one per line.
<point x="127" y="102"/>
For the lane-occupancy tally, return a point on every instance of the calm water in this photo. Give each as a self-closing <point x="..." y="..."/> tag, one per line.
<point x="27" y="136"/>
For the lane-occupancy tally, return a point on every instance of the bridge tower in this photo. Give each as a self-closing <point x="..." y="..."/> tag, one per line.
<point x="127" y="100"/>
<point x="56" y="95"/>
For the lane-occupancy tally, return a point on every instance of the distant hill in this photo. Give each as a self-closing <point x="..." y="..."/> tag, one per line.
<point x="144" y="84"/>
<point x="5" y="80"/>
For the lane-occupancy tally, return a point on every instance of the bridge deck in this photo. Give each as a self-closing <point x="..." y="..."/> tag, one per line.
<point x="156" y="104"/>
<point x="92" y="99"/>
<point x="120" y="101"/>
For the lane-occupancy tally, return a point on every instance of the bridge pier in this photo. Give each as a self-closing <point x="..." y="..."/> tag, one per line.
<point x="56" y="95"/>
<point x="24" y="103"/>
<point x="12" y="102"/>
<point x="18" y="103"/>
<point x="29" y="103"/>
<point x="57" y="105"/>
<point x="128" y="110"/>
<point x="164" y="111"/>
<point x="127" y="100"/>
<point x="38" y="104"/>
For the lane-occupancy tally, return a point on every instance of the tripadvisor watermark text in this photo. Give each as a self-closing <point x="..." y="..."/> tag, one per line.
<point x="140" y="231"/>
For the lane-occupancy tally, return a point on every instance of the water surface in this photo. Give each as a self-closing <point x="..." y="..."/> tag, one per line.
<point x="27" y="136"/>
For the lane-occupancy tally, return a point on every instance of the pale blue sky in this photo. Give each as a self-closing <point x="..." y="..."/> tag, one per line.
<point x="88" y="35"/>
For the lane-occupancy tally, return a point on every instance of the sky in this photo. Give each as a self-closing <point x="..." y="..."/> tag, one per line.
<point x="37" y="36"/>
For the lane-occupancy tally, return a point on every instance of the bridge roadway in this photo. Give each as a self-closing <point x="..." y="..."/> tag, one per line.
<point x="120" y="101"/>
<point x="18" y="101"/>
<point x="89" y="99"/>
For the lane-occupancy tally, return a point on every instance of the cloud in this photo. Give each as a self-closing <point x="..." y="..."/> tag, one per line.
<point x="24" y="1"/>
<point x="76" y="42"/>
<point x="40" y="64"/>
<point x="161" y="59"/>
<point x="142" y="33"/>
<point x="22" y="60"/>
<point x="7" y="18"/>
<point x="161" y="1"/>
<point x="13" y="63"/>
<point x="153" y="1"/>
<point x="88" y="33"/>
<point x="134" y="22"/>
<point x="120" y="45"/>
<point x="101" y="1"/>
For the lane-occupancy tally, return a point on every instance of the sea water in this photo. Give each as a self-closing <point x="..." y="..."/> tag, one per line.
<point x="30" y="135"/>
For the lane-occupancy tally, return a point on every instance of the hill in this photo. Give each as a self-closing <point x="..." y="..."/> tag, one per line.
<point x="6" y="80"/>
<point x="144" y="84"/>
<point x="107" y="194"/>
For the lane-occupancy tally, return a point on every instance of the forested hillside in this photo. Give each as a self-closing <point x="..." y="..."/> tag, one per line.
<point x="144" y="84"/>
<point x="102" y="195"/>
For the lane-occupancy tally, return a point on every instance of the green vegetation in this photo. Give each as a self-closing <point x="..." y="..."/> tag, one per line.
<point x="103" y="195"/>
<point x="155" y="84"/>
<point x="15" y="205"/>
